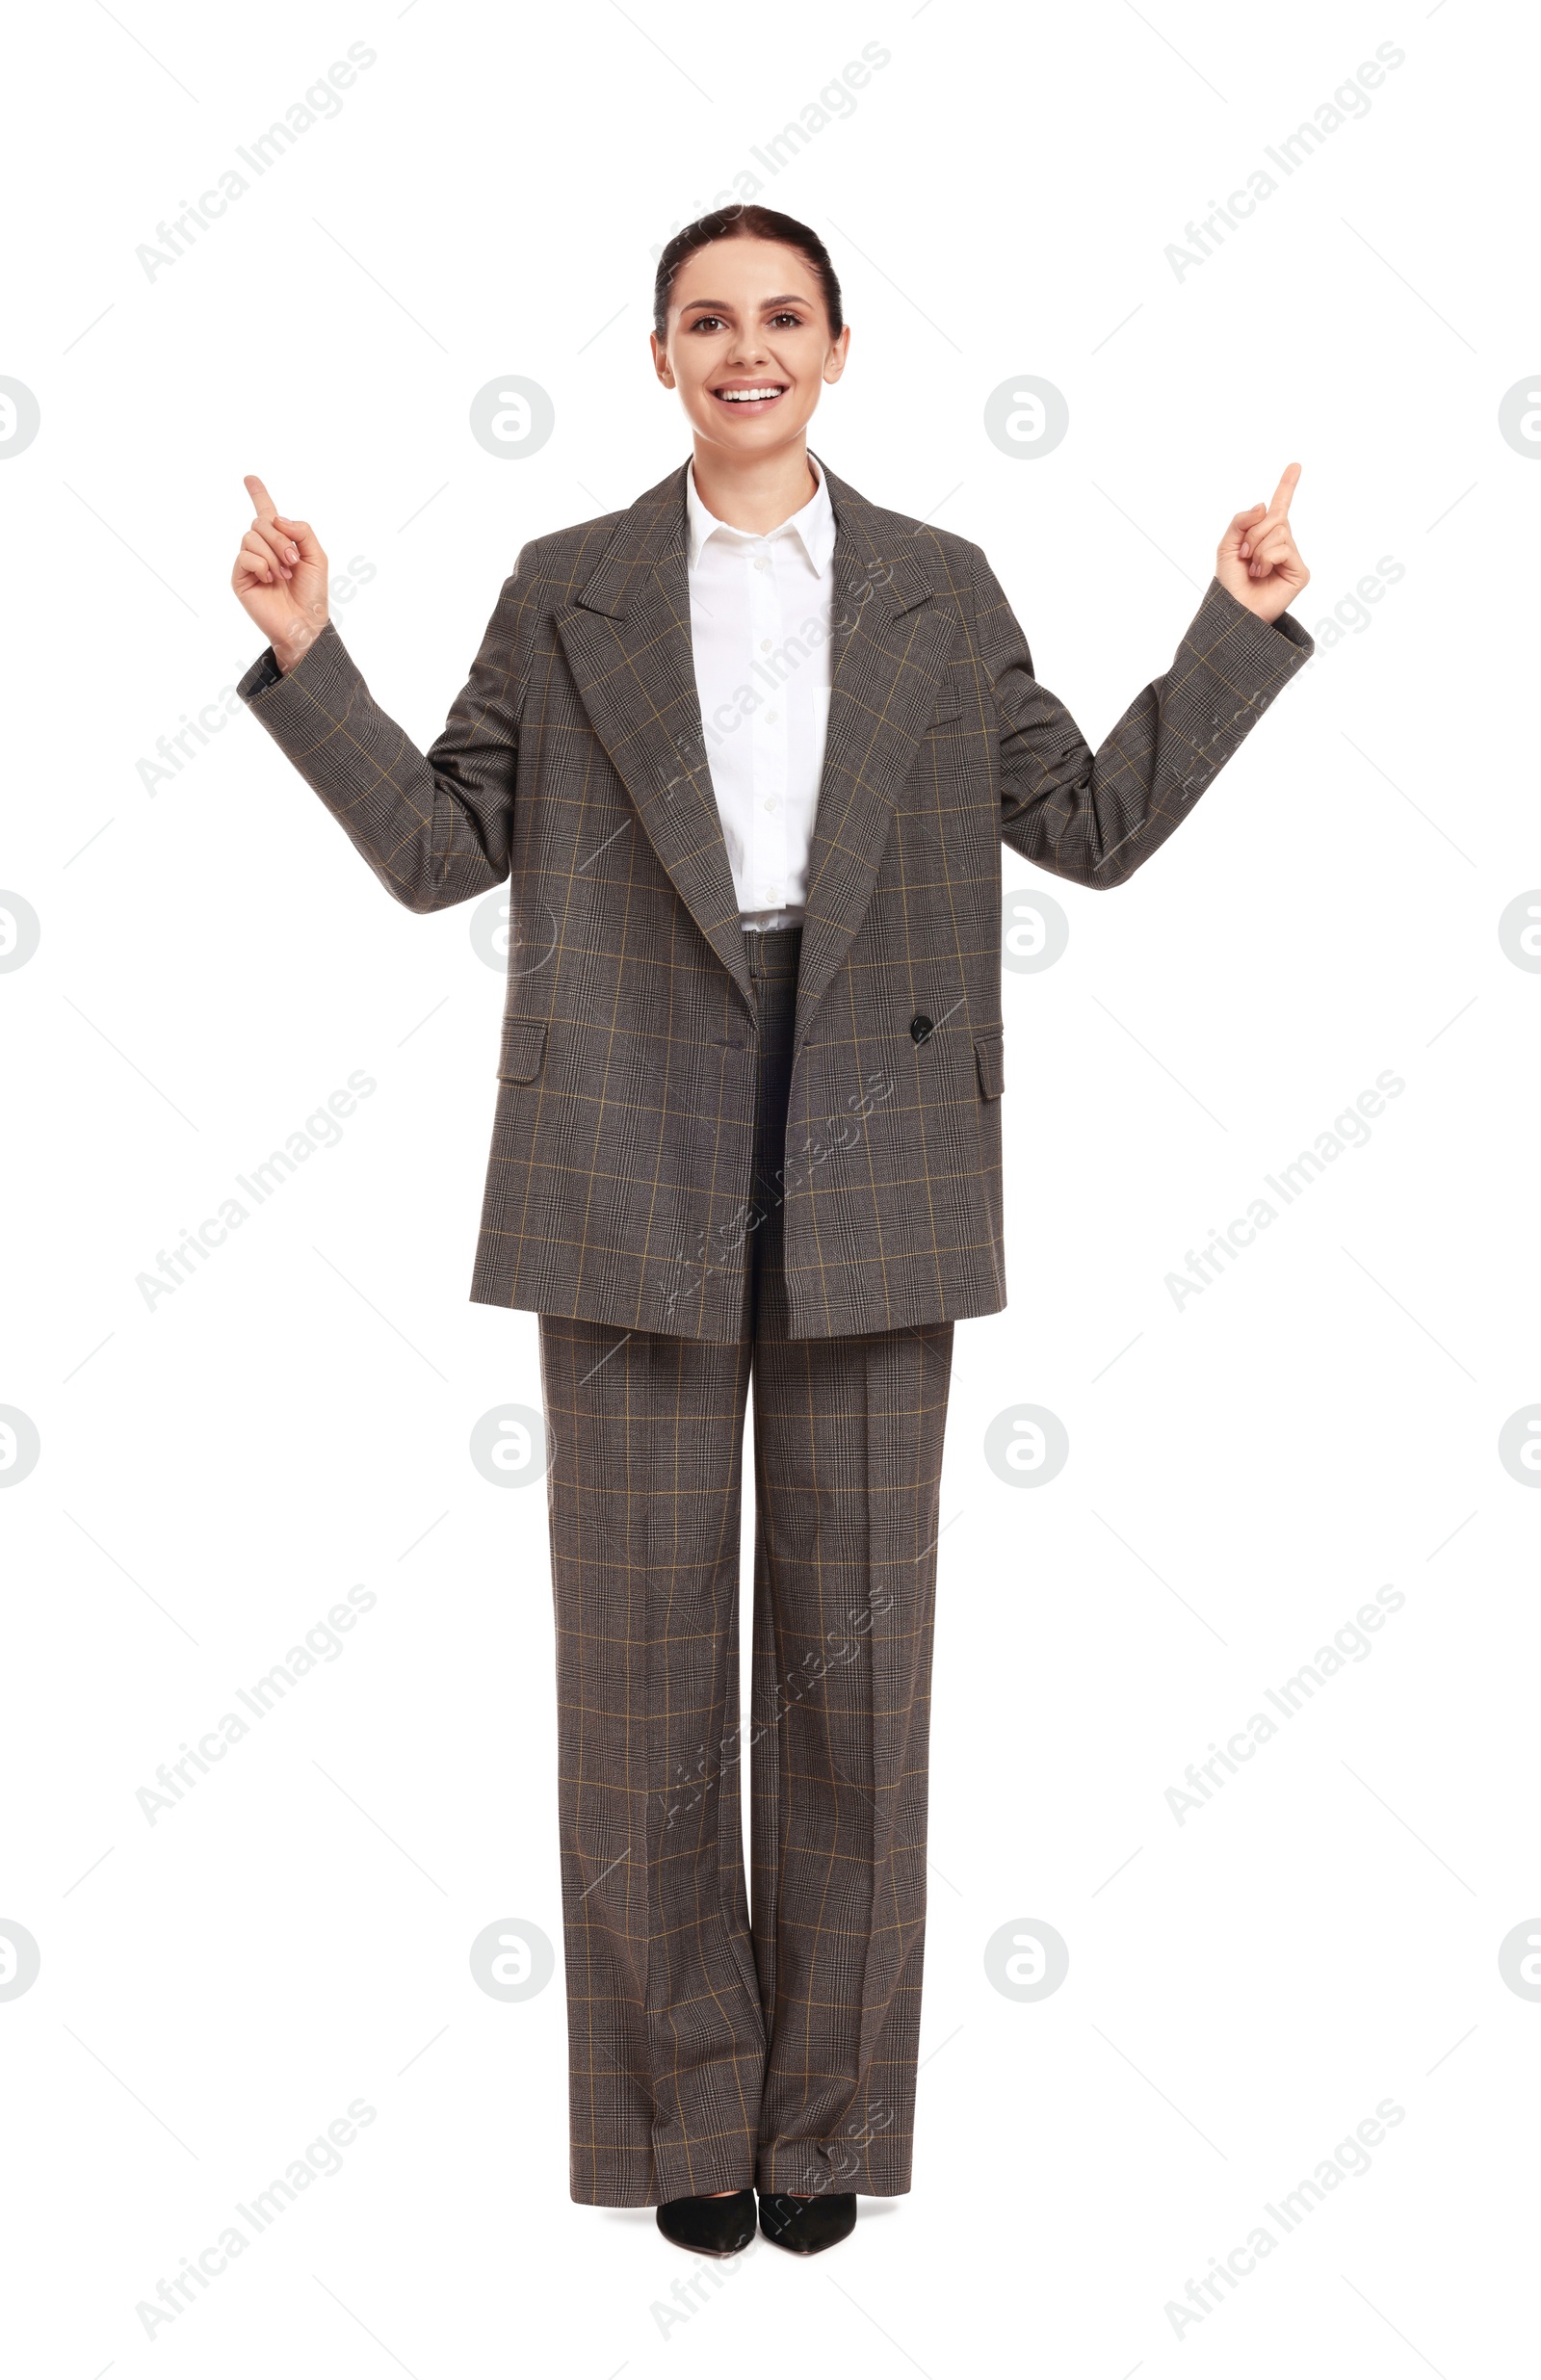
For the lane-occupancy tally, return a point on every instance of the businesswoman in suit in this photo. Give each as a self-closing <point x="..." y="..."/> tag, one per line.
<point x="746" y="752"/>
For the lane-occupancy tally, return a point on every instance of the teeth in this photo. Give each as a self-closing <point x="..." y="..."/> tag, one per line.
<point x="746" y="396"/>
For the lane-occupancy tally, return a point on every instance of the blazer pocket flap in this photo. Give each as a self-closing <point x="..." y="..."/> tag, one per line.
<point x="524" y="1046"/>
<point x="990" y="1058"/>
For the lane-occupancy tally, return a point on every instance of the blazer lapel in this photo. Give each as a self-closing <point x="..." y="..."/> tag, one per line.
<point x="892" y="644"/>
<point x="627" y="639"/>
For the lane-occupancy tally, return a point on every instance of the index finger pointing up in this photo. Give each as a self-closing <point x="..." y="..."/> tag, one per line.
<point x="262" y="502"/>
<point x="1285" y="489"/>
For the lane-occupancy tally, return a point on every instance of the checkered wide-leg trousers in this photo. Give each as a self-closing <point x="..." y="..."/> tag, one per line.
<point x="720" y="2040"/>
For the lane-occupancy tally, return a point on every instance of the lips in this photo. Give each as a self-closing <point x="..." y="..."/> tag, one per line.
<point x="748" y="396"/>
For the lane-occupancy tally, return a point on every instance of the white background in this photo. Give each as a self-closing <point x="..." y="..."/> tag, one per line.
<point x="1245" y="1473"/>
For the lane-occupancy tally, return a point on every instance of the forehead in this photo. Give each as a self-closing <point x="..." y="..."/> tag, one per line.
<point x="744" y="272"/>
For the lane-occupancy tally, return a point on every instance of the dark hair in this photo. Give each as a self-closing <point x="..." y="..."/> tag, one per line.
<point x="746" y="222"/>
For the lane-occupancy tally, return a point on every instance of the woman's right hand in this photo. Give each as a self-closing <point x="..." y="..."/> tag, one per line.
<point x="280" y="577"/>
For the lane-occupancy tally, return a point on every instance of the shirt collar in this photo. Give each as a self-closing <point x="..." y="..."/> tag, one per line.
<point x="814" y="525"/>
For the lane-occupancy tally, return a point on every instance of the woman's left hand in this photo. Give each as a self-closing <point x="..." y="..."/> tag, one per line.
<point x="1258" y="561"/>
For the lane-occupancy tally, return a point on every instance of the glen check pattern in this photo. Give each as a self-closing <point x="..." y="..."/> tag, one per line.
<point x="573" y="764"/>
<point x="709" y="2050"/>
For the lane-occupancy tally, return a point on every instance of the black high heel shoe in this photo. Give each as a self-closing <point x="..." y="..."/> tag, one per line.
<point x="805" y="2225"/>
<point x="710" y="2225"/>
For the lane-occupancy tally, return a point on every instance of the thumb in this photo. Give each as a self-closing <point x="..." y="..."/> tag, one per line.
<point x="1239" y="527"/>
<point x="303" y="535"/>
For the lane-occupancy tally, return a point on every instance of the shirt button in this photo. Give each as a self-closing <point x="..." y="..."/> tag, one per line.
<point x="759" y="561"/>
<point x="771" y="803"/>
<point x="765" y="645"/>
<point x="769" y="718"/>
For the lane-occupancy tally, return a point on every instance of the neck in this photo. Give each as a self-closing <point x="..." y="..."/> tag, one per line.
<point x="757" y="492"/>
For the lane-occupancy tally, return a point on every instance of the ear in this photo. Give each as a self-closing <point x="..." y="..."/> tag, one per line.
<point x="660" y="362"/>
<point x="835" y="360"/>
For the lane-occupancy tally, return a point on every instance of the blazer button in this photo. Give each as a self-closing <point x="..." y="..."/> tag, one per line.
<point x="920" y="1029"/>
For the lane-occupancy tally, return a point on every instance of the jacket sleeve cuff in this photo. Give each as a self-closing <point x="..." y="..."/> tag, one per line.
<point x="263" y="673"/>
<point x="301" y="707"/>
<point x="1258" y="656"/>
<point x="1228" y="667"/>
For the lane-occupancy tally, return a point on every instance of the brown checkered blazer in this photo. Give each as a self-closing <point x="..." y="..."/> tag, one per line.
<point x="620" y="1184"/>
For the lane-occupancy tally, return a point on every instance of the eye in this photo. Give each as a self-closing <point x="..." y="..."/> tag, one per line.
<point x="795" y="320"/>
<point x="706" y="321"/>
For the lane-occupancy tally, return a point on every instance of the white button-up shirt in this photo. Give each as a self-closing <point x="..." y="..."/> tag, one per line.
<point x="761" y="613"/>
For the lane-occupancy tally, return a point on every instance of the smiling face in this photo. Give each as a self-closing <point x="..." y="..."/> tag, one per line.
<point x="748" y="346"/>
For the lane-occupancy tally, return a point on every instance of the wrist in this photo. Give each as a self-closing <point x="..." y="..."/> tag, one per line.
<point x="288" y="650"/>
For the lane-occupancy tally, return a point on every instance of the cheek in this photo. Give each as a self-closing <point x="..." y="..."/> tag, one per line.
<point x="695" y="366"/>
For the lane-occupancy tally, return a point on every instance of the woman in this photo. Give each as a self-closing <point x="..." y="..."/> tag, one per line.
<point x="746" y="751"/>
